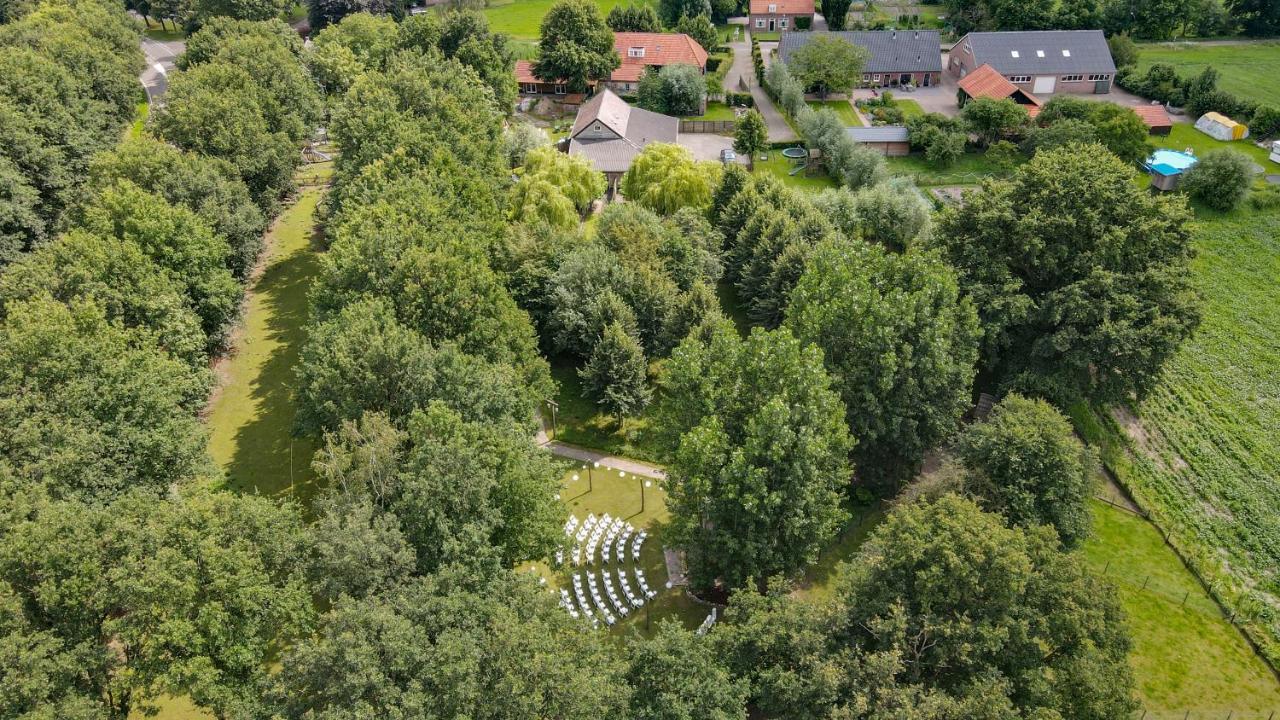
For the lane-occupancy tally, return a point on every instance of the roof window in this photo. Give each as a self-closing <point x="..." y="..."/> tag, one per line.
<point x="636" y="52"/>
<point x="1066" y="53"/>
<point x="1014" y="53"/>
<point x="773" y="8"/>
<point x="1039" y="53"/>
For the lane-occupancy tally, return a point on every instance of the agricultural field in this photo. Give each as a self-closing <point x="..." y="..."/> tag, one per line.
<point x="520" y="19"/>
<point x="1200" y="452"/>
<point x="1242" y="66"/>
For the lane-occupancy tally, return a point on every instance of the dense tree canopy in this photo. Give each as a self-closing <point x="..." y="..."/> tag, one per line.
<point x="1026" y="463"/>
<point x="759" y="454"/>
<point x="828" y="63"/>
<point x="673" y="90"/>
<point x="1079" y="277"/>
<point x="945" y="611"/>
<point x="633" y="18"/>
<point x="665" y="178"/>
<point x="900" y="344"/>
<point x="676" y="675"/>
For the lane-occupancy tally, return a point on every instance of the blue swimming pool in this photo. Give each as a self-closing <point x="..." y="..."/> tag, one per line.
<point x="1172" y="159"/>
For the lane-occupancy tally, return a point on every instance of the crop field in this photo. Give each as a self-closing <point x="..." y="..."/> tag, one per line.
<point x="1243" y="67"/>
<point x="1202" y="455"/>
<point x="520" y="19"/>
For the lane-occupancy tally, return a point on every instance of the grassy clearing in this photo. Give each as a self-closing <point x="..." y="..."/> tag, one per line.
<point x="251" y="418"/>
<point x="970" y="169"/>
<point x="139" y="125"/>
<point x="909" y="108"/>
<point x="1201" y="454"/>
<point x="1243" y="67"/>
<point x="1186" y="656"/>
<point x="842" y="108"/>
<point x="164" y="33"/>
<point x="521" y="19"/>
<point x="580" y="422"/>
<point x="599" y="491"/>
<point x="819" y="580"/>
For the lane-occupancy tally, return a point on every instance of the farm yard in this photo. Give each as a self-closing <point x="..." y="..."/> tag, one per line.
<point x="1244" y="66"/>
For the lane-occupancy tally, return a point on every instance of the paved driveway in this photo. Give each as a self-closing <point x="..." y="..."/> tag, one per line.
<point x="161" y="55"/>
<point x="707" y="146"/>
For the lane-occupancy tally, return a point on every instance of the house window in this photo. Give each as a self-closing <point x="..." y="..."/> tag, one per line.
<point x="760" y="23"/>
<point x="968" y="50"/>
<point x="1099" y="77"/>
<point x="1072" y="78"/>
<point x="875" y="78"/>
<point x="529" y="88"/>
<point x="1019" y="78"/>
<point x="561" y="89"/>
<point x="782" y="22"/>
<point x="635" y="52"/>
<point x="866" y="77"/>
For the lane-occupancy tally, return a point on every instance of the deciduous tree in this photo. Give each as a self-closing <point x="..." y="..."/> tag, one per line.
<point x="665" y="178"/>
<point x="676" y="674"/>
<point x="759" y="458"/>
<point x="1080" y="278"/>
<point x="575" y="46"/>
<point x="615" y="375"/>
<point x="751" y="135"/>
<point x="829" y="63"/>
<point x="1221" y="179"/>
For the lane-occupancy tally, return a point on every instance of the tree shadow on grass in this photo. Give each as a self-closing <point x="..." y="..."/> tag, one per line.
<point x="269" y="458"/>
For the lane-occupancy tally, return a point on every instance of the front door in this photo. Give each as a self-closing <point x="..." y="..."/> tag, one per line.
<point x="925" y="83"/>
<point x="772" y="24"/>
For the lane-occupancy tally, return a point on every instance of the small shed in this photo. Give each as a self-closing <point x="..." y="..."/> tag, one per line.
<point x="1155" y="118"/>
<point x="1221" y="127"/>
<point x="888" y="139"/>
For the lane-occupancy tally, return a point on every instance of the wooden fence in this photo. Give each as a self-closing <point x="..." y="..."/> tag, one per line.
<point x="707" y="126"/>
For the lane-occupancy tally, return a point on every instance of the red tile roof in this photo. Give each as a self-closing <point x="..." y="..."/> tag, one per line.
<point x="524" y="72"/>
<point x="659" y="49"/>
<point x="782" y="7"/>
<point x="986" y="82"/>
<point x="1154" y="115"/>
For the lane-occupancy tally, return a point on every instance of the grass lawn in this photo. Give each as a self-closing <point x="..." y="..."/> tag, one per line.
<point x="1244" y="69"/>
<point x="521" y="19"/>
<point x="1201" y="454"/>
<point x="580" y="422"/>
<point x="781" y="168"/>
<point x="970" y="169"/>
<point x="156" y="31"/>
<point x="1184" y="135"/>
<point x="251" y="417"/>
<point x="765" y="36"/>
<point x="819" y="580"/>
<point x="909" y="108"/>
<point x="600" y="491"/>
<point x="715" y="111"/>
<point x="1186" y="657"/>
<point x="841" y="108"/>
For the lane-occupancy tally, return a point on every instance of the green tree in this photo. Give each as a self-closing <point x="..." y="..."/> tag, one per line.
<point x="217" y="32"/>
<point x="994" y="120"/>
<point x="1124" y="51"/>
<point x="575" y="46"/>
<point x="699" y="28"/>
<point x="673" y="90"/>
<point x="676" y="674"/>
<point x="484" y="645"/>
<point x="1026" y="463"/>
<point x="148" y="597"/>
<point x="91" y="409"/>
<point x="672" y="10"/>
<point x="205" y="10"/>
<point x="358" y="550"/>
<point x="574" y="176"/>
<point x="836" y="13"/>
<point x="323" y="13"/>
<point x="899" y="342"/>
<point x="537" y="198"/>
<point x="615" y="375"/>
<point x="356" y="44"/>
<point x="633" y="18"/>
<point x="202" y="184"/>
<point x="760" y="454"/>
<point x="1121" y="131"/>
<point x="363" y="359"/>
<point x="968" y="607"/>
<point x="1260" y="17"/>
<point x="1005" y="156"/>
<point x="945" y="149"/>
<point x="1079" y="277"/>
<point x="751" y="135"/>
<point x="893" y="214"/>
<point x="1221" y="179"/>
<point x="665" y="178"/>
<point x="829" y="63"/>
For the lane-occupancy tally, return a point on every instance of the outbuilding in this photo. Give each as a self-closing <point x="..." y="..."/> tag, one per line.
<point x="1041" y="62"/>
<point x="897" y="57"/>
<point x="888" y="139"/>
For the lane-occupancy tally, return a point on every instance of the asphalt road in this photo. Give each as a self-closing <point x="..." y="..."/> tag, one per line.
<point x="160" y="58"/>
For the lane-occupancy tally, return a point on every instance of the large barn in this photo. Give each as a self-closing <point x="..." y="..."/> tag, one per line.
<point x="1041" y="62"/>
<point x="898" y="57"/>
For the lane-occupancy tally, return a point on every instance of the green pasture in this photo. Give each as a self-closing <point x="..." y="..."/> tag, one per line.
<point x="1186" y="657"/>
<point x="1247" y="69"/>
<point x="521" y="19"/>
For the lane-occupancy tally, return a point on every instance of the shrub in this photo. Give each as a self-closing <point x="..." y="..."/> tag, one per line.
<point x="1265" y="121"/>
<point x="1220" y="180"/>
<point x="673" y="90"/>
<point x="1268" y="198"/>
<point x="945" y="149"/>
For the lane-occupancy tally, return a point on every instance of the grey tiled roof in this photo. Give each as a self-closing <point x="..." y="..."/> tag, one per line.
<point x="637" y="126"/>
<point x="881" y="133"/>
<point x="891" y="50"/>
<point x="1087" y="51"/>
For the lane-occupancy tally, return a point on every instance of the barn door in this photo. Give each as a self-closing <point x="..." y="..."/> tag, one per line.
<point x="1044" y="84"/>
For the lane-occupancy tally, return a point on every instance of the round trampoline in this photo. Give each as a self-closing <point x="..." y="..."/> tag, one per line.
<point x="794" y="153"/>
